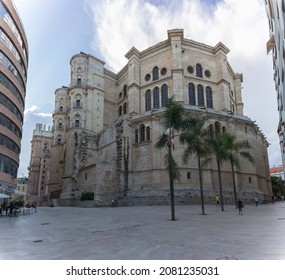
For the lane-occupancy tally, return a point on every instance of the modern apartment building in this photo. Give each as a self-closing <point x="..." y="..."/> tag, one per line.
<point x="276" y="45"/>
<point x="13" y="78"/>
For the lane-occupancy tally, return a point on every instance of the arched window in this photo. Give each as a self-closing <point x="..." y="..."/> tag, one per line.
<point x="156" y="98"/>
<point x="200" y="95"/>
<point x="164" y="95"/>
<point x="142" y="133"/>
<point x="148" y="133"/>
<point x="191" y="93"/>
<point x="77" y="123"/>
<point x="59" y="137"/>
<point x="60" y="123"/>
<point x="148" y="100"/>
<point x="224" y="129"/>
<point x="155" y="74"/>
<point x="199" y="71"/>
<point x="136" y="136"/>
<point x="125" y="90"/>
<point x="209" y="97"/>
<point x="77" y="120"/>
<point x="211" y="128"/>
<point x="125" y="108"/>
<point x="120" y="110"/>
<point x="217" y="127"/>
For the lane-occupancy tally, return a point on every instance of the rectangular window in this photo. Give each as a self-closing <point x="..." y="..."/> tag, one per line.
<point x="188" y="175"/>
<point x="249" y="180"/>
<point x="76" y="123"/>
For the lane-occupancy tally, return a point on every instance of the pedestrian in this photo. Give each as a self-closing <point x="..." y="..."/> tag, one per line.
<point x="272" y="198"/>
<point x="240" y="206"/>
<point x="113" y="203"/>
<point x="217" y="199"/>
<point x="256" y="201"/>
<point x="11" y="209"/>
<point x="282" y="197"/>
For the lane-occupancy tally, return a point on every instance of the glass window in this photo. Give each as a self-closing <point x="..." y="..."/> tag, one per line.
<point x="125" y="90"/>
<point x="199" y="72"/>
<point x="125" y="108"/>
<point x="200" y="95"/>
<point x="77" y="123"/>
<point x="148" y="100"/>
<point x="191" y="93"/>
<point x="156" y="98"/>
<point x="217" y="127"/>
<point x="209" y="97"/>
<point x="155" y="74"/>
<point x="164" y="95"/>
<point x="142" y="133"/>
<point x="148" y="133"/>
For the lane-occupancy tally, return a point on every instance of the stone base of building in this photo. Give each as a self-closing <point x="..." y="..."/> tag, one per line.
<point x="162" y="197"/>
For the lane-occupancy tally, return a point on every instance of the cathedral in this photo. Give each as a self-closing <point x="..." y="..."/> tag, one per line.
<point x="105" y="125"/>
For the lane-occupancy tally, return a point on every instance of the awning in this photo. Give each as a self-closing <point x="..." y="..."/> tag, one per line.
<point x="2" y="195"/>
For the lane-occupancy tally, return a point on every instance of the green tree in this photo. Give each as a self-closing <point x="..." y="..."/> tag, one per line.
<point x="194" y="134"/>
<point x="277" y="186"/>
<point x="219" y="145"/>
<point x="234" y="149"/>
<point x="172" y="122"/>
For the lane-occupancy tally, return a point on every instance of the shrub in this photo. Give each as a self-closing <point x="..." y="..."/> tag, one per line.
<point x="87" y="196"/>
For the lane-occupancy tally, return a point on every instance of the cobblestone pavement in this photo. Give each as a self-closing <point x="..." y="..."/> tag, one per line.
<point x="142" y="233"/>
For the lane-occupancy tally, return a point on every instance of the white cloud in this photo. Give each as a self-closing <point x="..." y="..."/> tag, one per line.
<point x="31" y="109"/>
<point x="241" y="25"/>
<point x="44" y="115"/>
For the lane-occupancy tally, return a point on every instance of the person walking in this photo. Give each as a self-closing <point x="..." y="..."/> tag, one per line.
<point x="256" y="201"/>
<point x="217" y="199"/>
<point x="240" y="206"/>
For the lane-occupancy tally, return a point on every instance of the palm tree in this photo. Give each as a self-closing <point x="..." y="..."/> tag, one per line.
<point x="172" y="123"/>
<point x="234" y="153"/>
<point x="195" y="135"/>
<point x="218" y="143"/>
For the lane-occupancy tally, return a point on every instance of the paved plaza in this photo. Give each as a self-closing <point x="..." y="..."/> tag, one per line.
<point x="142" y="233"/>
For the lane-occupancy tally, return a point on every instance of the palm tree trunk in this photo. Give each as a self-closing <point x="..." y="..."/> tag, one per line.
<point x="234" y="184"/>
<point x="201" y="185"/>
<point x="171" y="186"/>
<point x="220" y="186"/>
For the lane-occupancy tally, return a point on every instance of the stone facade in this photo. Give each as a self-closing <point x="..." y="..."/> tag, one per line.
<point x="106" y="124"/>
<point x="40" y="166"/>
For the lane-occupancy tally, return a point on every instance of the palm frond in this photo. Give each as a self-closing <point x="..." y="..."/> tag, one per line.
<point x="162" y="141"/>
<point x="248" y="156"/>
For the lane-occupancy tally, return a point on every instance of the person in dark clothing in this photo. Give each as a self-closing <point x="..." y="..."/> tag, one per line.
<point x="240" y="206"/>
<point x="11" y="209"/>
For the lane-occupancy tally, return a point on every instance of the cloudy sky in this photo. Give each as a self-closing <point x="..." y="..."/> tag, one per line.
<point x="58" y="29"/>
